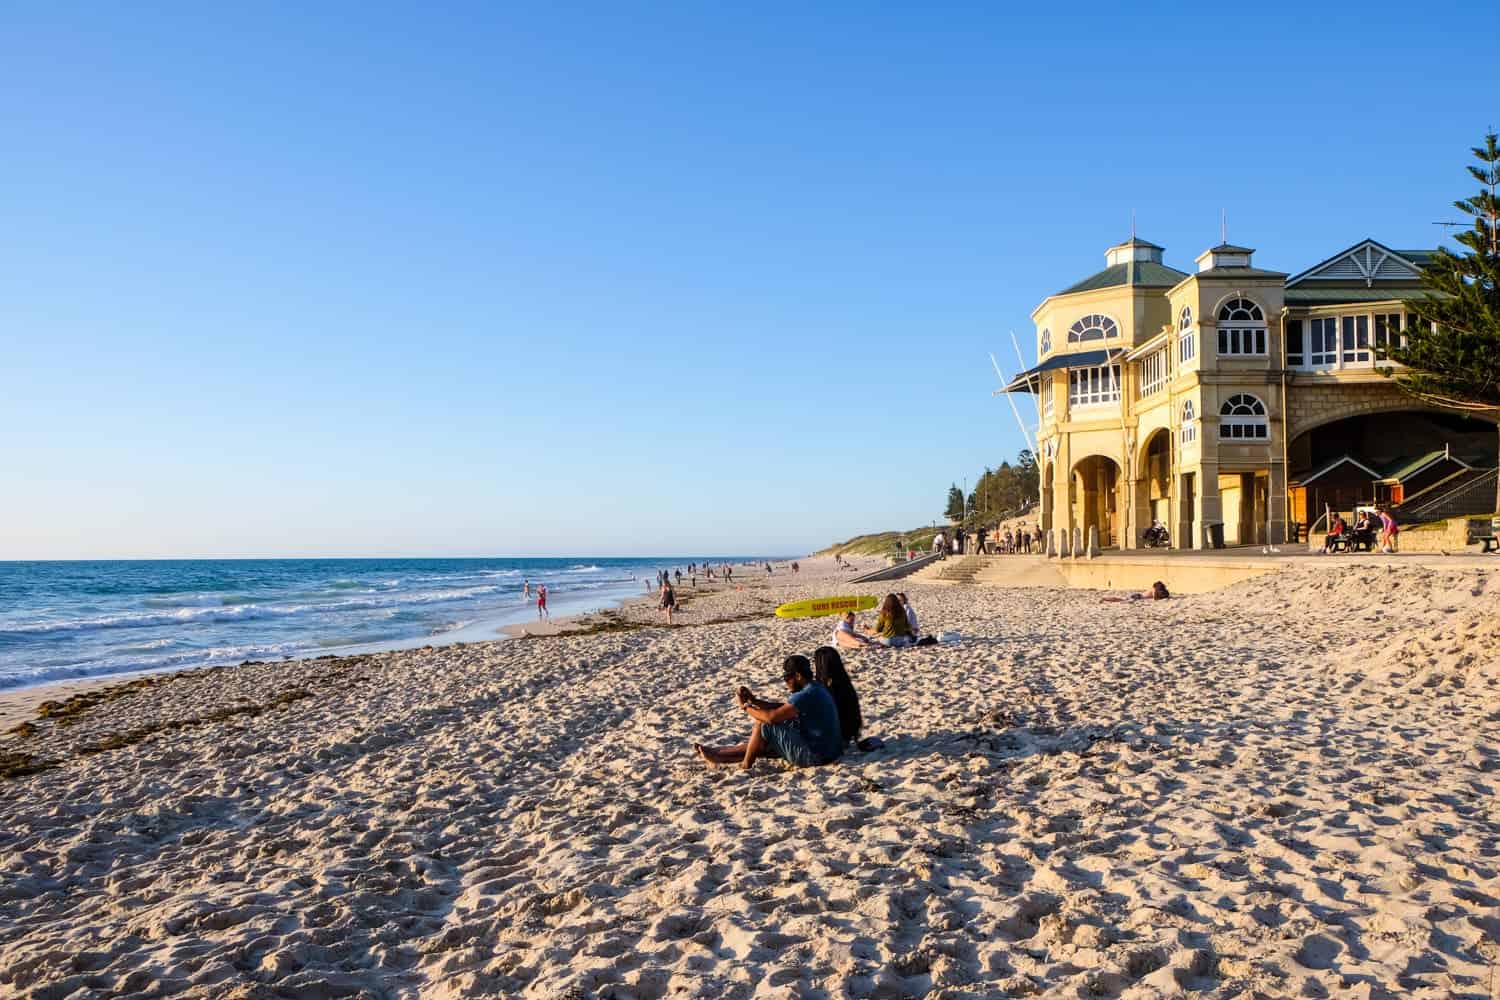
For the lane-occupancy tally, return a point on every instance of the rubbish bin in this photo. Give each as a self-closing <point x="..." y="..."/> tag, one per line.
<point x="1215" y="535"/>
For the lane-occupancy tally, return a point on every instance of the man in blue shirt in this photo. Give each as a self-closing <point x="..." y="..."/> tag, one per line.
<point x="803" y="730"/>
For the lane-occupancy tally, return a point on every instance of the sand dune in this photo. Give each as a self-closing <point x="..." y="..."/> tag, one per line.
<point x="1286" y="788"/>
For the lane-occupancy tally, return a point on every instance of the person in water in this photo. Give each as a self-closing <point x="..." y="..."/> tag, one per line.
<point x="541" y="603"/>
<point x="828" y="670"/>
<point x="892" y="628"/>
<point x="804" y="730"/>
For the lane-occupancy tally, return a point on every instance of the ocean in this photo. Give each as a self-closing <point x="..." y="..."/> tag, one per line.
<point x="78" y="619"/>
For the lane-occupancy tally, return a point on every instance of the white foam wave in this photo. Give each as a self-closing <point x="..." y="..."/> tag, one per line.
<point x="241" y="612"/>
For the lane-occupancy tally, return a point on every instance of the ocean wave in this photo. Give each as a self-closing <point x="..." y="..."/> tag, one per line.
<point x="187" y="659"/>
<point x="585" y="569"/>
<point x="242" y="612"/>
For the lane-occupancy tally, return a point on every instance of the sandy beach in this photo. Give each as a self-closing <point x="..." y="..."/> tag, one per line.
<point x="1283" y="788"/>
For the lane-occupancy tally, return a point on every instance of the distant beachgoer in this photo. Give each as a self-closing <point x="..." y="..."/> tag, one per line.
<point x="844" y="633"/>
<point x="828" y="670"/>
<point x="541" y="602"/>
<point x="768" y="569"/>
<point x="891" y="627"/>
<point x="911" y="614"/>
<point x="804" y="730"/>
<point x="668" y="600"/>
<point x="1388" y="531"/>
<point x="979" y="539"/>
<point x="1158" y="592"/>
<point x="796" y="569"/>
<point x="1335" y="530"/>
<point x="526" y="589"/>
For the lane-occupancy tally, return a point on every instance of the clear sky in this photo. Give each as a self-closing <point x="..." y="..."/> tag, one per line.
<point x="524" y="279"/>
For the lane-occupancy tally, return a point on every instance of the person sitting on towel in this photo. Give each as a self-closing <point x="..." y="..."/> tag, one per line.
<point x="804" y="730"/>
<point x="844" y="633"/>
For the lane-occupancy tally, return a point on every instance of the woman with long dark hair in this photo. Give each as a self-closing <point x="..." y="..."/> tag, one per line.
<point x="828" y="669"/>
<point x="891" y="625"/>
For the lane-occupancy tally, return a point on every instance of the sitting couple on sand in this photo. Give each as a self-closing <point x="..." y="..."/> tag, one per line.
<point x="895" y="625"/>
<point x="810" y="728"/>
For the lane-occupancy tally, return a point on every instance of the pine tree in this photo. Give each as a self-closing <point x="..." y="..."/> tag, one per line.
<point x="955" y="508"/>
<point x="1452" y="352"/>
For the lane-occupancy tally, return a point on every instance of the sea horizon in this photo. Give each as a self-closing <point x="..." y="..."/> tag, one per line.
<point x="76" y="618"/>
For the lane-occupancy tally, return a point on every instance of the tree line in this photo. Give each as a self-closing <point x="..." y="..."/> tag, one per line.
<point x="998" y="493"/>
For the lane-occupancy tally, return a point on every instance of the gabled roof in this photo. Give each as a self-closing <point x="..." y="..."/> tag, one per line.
<point x="1367" y="261"/>
<point x="1325" y="470"/>
<point x="1406" y="468"/>
<point x="1146" y="274"/>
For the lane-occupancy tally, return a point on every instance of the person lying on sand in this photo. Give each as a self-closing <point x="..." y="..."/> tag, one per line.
<point x="844" y="633"/>
<point x="803" y="731"/>
<point x="1158" y="592"/>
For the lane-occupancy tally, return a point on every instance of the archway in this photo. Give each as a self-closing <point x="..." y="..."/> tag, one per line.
<point x="1153" y="488"/>
<point x="1411" y="460"/>
<point x="1095" y="498"/>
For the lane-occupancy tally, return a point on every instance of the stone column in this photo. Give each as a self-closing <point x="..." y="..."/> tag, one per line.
<point x="1207" y="509"/>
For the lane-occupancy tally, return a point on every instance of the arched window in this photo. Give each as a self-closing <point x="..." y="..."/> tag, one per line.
<point x="1187" y="339"/>
<point x="1189" y="423"/>
<point x="1242" y="328"/>
<point x="1046" y="341"/>
<point x="1093" y="327"/>
<point x="1243" y="417"/>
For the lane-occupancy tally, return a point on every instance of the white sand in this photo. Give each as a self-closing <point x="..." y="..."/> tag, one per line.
<point x="1285" y="788"/>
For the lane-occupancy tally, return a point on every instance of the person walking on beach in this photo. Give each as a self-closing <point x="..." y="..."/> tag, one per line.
<point x="668" y="600"/>
<point x="526" y="589"/>
<point x="804" y="730"/>
<point x="541" y="603"/>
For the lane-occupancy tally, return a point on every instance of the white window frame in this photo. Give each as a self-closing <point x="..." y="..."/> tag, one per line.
<point x="1189" y="423"/>
<point x="1320" y="343"/>
<point x="1048" y="406"/>
<point x="1354" y="341"/>
<point x="1093" y="387"/>
<point x="1107" y="327"/>
<point x="1153" y="373"/>
<point x="1242" y="336"/>
<point x="1242" y="417"/>
<point x="1384" y="333"/>
<point x="1187" y="337"/>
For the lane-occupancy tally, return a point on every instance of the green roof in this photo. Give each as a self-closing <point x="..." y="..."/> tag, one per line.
<point x="1410" y="466"/>
<point x="1240" y="272"/>
<point x="1148" y="274"/>
<point x="1328" y="295"/>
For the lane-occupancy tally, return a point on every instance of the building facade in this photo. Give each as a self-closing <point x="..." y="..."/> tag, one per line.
<point x="1232" y="396"/>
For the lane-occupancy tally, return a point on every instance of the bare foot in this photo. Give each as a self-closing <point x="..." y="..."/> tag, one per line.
<point x="702" y="751"/>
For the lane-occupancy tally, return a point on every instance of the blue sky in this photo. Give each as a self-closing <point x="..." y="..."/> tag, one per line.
<point x="565" y="279"/>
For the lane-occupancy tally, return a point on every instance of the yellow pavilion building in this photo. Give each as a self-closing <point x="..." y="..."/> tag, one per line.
<point x="1235" y="402"/>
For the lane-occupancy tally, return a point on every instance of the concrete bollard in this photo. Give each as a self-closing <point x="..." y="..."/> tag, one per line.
<point x="1051" y="551"/>
<point x="1093" y="541"/>
<point x="1077" y="542"/>
<point x="1062" y="543"/>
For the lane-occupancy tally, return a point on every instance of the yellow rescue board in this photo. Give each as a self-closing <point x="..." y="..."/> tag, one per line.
<point x="819" y="606"/>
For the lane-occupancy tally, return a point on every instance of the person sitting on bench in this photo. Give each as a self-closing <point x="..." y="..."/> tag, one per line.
<point x="1335" y="534"/>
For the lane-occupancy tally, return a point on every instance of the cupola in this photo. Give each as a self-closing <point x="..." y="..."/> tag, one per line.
<point x="1133" y="251"/>
<point x="1224" y="255"/>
